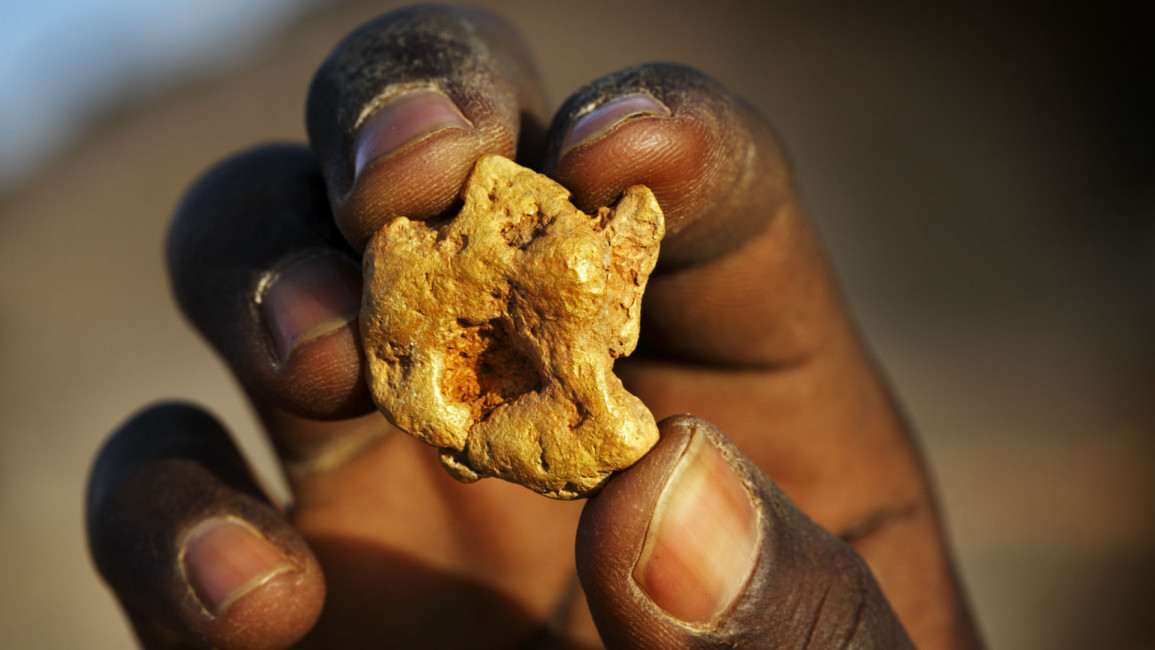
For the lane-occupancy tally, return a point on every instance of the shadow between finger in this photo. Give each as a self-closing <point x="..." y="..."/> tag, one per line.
<point x="379" y="597"/>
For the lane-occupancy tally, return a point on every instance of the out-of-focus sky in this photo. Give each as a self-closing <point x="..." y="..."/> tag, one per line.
<point x="65" y="62"/>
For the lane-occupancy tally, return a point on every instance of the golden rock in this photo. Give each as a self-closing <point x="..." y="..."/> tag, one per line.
<point x="492" y="335"/>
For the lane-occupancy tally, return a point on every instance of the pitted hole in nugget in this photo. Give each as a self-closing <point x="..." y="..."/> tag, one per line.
<point x="485" y="369"/>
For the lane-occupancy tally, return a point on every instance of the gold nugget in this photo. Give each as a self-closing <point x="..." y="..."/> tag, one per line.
<point x="493" y="335"/>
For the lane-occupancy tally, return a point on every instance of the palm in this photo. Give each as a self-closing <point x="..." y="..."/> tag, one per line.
<point x="409" y="553"/>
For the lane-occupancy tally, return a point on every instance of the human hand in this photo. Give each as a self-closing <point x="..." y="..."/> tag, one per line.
<point x="743" y="326"/>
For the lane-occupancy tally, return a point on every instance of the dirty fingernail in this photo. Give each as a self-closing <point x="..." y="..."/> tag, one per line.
<point x="308" y="299"/>
<point x="225" y="559"/>
<point x="606" y="117"/>
<point x="406" y="118"/>
<point x="702" y="539"/>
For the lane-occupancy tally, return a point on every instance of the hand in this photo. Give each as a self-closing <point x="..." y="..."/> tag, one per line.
<point x="692" y="546"/>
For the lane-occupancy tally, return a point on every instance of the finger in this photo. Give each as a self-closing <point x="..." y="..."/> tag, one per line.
<point x="744" y="291"/>
<point x="188" y="542"/>
<point x="741" y="279"/>
<point x="403" y="107"/>
<point x="695" y="547"/>
<point x="261" y="271"/>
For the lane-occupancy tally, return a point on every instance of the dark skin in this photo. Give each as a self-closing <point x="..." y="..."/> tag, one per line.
<point x="743" y="327"/>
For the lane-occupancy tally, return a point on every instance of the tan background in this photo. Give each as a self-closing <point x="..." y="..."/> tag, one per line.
<point x="982" y="182"/>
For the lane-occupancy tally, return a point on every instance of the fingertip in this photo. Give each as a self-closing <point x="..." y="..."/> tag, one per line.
<point x="404" y="106"/>
<point x="158" y="432"/>
<point x="682" y="134"/>
<point x="421" y="181"/>
<point x="259" y="268"/>
<point x="192" y="548"/>
<point x="413" y="153"/>
<point x="252" y="594"/>
<point x="401" y="121"/>
<point x="603" y="119"/>
<point x="676" y="157"/>
<point x="307" y="299"/>
<point x="309" y="309"/>
<point x="670" y="543"/>
<point x="694" y="545"/>
<point x="741" y="279"/>
<point x="702" y="539"/>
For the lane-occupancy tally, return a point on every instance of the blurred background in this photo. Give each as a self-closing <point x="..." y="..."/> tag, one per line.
<point x="985" y="184"/>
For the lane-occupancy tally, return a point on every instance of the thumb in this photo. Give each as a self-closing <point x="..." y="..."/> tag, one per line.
<point x="695" y="547"/>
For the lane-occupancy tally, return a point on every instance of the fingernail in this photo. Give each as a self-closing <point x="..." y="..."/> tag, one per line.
<point x="605" y="118"/>
<point x="405" y="118"/>
<point x="308" y="299"/>
<point x="702" y="540"/>
<point x="225" y="559"/>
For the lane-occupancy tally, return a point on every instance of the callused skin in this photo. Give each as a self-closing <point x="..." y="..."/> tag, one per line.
<point x="493" y="335"/>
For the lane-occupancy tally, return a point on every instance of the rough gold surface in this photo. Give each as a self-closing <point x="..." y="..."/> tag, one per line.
<point x="493" y="335"/>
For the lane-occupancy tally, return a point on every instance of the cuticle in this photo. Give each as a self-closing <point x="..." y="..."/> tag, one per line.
<point x="380" y="101"/>
<point x="394" y="91"/>
<point x="625" y="119"/>
<point x="270" y="276"/>
<point x="604" y="100"/>
<point x="679" y="467"/>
